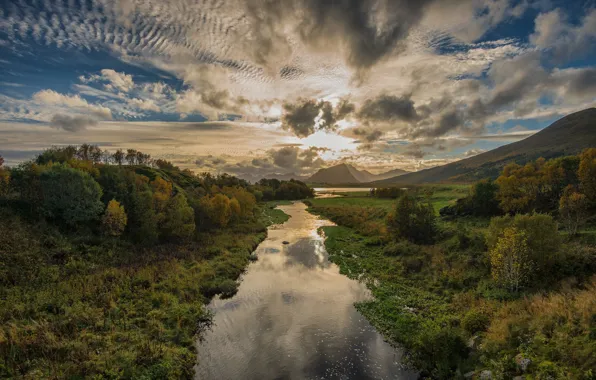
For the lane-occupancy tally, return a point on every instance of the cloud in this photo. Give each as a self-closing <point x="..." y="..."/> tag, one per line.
<point x="474" y="152"/>
<point x="563" y="40"/>
<point x="388" y="108"/>
<point x="72" y="123"/>
<point x="144" y="104"/>
<point x="113" y="80"/>
<point x="53" y="98"/>
<point x="306" y="115"/>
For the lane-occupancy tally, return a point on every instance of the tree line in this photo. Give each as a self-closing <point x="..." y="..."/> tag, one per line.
<point x="129" y="194"/>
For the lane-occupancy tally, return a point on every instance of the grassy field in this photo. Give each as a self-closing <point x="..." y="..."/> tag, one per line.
<point x="439" y="303"/>
<point x="104" y="309"/>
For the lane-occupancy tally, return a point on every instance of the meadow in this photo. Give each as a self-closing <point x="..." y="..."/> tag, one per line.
<point x="440" y="303"/>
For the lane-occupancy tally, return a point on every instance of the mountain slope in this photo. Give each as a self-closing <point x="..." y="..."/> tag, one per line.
<point x="345" y="173"/>
<point x="569" y="135"/>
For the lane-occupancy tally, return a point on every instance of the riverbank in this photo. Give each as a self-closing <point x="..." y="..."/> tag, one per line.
<point x="106" y="308"/>
<point x="293" y="316"/>
<point x="439" y="303"/>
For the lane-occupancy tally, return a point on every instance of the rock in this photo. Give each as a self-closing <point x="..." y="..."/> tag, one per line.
<point x="522" y="362"/>
<point x="285" y="242"/>
<point x="469" y="375"/>
<point x="486" y="375"/>
<point x="474" y="342"/>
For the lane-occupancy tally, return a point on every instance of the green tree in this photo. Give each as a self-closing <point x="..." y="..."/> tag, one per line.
<point x="178" y="221"/>
<point x="412" y="220"/>
<point x="483" y="198"/>
<point x="510" y="259"/>
<point x="114" y="219"/>
<point x="573" y="210"/>
<point x="4" y="178"/>
<point x="587" y="173"/>
<point x="70" y="195"/>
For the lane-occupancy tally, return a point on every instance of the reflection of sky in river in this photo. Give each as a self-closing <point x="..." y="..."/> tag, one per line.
<point x="293" y="317"/>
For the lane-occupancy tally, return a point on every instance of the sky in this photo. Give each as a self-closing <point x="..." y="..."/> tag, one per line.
<point x="275" y="87"/>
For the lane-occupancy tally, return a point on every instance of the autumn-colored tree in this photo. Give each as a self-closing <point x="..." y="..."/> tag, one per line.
<point x="114" y="219"/>
<point x="118" y="157"/>
<point x="573" y="210"/>
<point x="220" y="211"/>
<point x="587" y="173"/>
<point x="510" y="259"/>
<point x="542" y="235"/>
<point x="4" y="178"/>
<point x="246" y="200"/>
<point x="235" y="210"/>
<point x="162" y="192"/>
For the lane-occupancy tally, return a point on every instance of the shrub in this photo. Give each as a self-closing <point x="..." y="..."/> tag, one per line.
<point x="70" y="195"/>
<point x="412" y="220"/>
<point x="400" y="248"/>
<point x="475" y="321"/>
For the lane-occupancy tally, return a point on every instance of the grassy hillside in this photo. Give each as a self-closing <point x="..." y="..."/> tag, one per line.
<point x="569" y="135"/>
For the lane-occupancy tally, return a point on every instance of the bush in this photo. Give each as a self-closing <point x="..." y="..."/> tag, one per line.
<point x="400" y="248"/>
<point x="70" y="195"/>
<point x="413" y="220"/>
<point x="475" y="321"/>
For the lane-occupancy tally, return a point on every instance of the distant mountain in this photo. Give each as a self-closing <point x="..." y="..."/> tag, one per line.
<point x="346" y="173"/>
<point x="569" y="135"/>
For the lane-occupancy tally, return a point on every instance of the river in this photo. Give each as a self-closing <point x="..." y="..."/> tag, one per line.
<point x="294" y="316"/>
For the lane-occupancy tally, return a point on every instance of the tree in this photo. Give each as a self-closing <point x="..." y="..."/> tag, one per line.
<point x="178" y="221"/>
<point x="542" y="235"/>
<point x="118" y="156"/>
<point x="162" y="192"/>
<point x="412" y="220"/>
<point x="131" y="156"/>
<point x="246" y="201"/>
<point x="114" y="219"/>
<point x="510" y="259"/>
<point x="70" y="195"/>
<point x="4" y="178"/>
<point x="573" y="210"/>
<point x="587" y="173"/>
<point x="235" y="210"/>
<point x="220" y="211"/>
<point x="484" y="198"/>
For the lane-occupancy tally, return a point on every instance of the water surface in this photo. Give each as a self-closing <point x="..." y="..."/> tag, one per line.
<point x="293" y="316"/>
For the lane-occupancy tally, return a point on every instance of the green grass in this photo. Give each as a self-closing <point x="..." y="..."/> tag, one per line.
<point x="79" y="306"/>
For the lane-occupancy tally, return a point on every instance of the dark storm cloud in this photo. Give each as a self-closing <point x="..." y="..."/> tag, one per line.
<point x="306" y="116"/>
<point x="367" y="30"/>
<point x="300" y="117"/>
<point x="72" y="123"/>
<point x="388" y="108"/>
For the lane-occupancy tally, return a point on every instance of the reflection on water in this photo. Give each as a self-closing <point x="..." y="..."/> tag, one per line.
<point x="293" y="317"/>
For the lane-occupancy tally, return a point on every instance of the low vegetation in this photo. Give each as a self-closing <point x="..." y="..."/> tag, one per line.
<point x="107" y="260"/>
<point x="498" y="282"/>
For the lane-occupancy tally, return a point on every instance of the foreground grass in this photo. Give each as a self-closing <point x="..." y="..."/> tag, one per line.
<point x="440" y="304"/>
<point x="83" y="307"/>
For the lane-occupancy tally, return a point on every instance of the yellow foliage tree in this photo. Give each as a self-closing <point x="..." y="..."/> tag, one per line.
<point x="220" y="211"/>
<point x="235" y="210"/>
<point x="587" y="173"/>
<point x="510" y="260"/>
<point x="114" y="219"/>
<point x="162" y="192"/>
<point x="573" y="210"/>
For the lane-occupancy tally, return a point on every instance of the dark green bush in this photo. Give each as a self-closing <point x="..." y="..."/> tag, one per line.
<point x="475" y="321"/>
